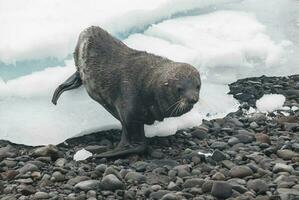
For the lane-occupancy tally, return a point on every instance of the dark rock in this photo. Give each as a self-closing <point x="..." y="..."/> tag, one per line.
<point x="159" y="194"/>
<point x="262" y="138"/>
<point x="280" y="167"/>
<point x="200" y="132"/>
<point x="219" y="145"/>
<point x="28" y="168"/>
<point x="111" y="182"/>
<point x="240" y="172"/>
<point x="41" y="195"/>
<point x="221" y="189"/>
<point x="218" y="156"/>
<point x="245" y="136"/>
<point x="287" y="154"/>
<point x="88" y="185"/>
<point x="193" y="182"/>
<point x="258" y="185"/>
<point x="135" y="177"/>
<point x="27" y="189"/>
<point x="48" y="151"/>
<point x="7" y="151"/>
<point x="207" y="186"/>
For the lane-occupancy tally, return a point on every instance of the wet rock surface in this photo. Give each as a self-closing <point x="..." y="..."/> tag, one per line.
<point x="251" y="156"/>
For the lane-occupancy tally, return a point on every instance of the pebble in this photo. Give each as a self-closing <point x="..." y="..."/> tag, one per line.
<point x="287" y="154"/>
<point x="48" y="151"/>
<point x="58" y="177"/>
<point x="41" y="195"/>
<point x="193" y="182"/>
<point x="221" y="189"/>
<point x="258" y="185"/>
<point x="135" y="177"/>
<point x="240" y="172"/>
<point x="111" y="182"/>
<point x="219" y="145"/>
<point x="28" y="168"/>
<point x="281" y="167"/>
<point x="88" y="185"/>
<point x="218" y="156"/>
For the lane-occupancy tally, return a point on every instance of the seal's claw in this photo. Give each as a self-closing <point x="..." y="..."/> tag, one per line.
<point x="123" y="151"/>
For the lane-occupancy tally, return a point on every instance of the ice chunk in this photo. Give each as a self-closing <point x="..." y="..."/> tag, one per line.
<point x="82" y="155"/>
<point x="270" y="102"/>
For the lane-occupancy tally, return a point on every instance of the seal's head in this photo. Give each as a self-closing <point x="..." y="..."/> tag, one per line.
<point x="179" y="88"/>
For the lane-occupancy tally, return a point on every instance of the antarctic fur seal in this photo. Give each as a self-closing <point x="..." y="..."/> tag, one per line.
<point x="136" y="87"/>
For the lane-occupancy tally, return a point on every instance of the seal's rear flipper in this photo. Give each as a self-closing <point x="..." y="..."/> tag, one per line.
<point x="71" y="83"/>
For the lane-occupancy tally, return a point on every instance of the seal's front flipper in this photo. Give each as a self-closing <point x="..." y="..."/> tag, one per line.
<point x="71" y="83"/>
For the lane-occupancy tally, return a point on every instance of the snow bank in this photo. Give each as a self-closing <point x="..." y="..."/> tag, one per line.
<point x="226" y="45"/>
<point x="49" y="28"/>
<point x="270" y="102"/>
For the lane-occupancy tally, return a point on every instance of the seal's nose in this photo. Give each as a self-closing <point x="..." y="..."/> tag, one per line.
<point x="193" y="99"/>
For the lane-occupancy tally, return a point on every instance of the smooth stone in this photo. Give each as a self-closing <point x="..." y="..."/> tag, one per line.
<point x="245" y="136"/>
<point x="218" y="156"/>
<point x="60" y="162"/>
<point x="286" y="154"/>
<point x="219" y="145"/>
<point x="24" y="180"/>
<point x="88" y="185"/>
<point x="111" y="182"/>
<point x="173" y="186"/>
<point x="100" y="169"/>
<point x="77" y="179"/>
<point x="112" y="170"/>
<point x="221" y="189"/>
<point x="233" y="140"/>
<point x="258" y="185"/>
<point x="200" y="132"/>
<point x="262" y="138"/>
<point x="193" y="182"/>
<point x="240" y="171"/>
<point x="218" y="176"/>
<point x="135" y="177"/>
<point x="159" y="194"/>
<point x="182" y="170"/>
<point x="41" y="195"/>
<point x="27" y="189"/>
<point x="7" y="151"/>
<point x="170" y="196"/>
<point x="280" y="167"/>
<point x="58" y="177"/>
<point x="48" y="151"/>
<point x="288" y="194"/>
<point x="207" y="186"/>
<point x="28" y="168"/>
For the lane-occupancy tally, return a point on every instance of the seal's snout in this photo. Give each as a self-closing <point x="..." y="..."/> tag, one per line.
<point x="192" y="99"/>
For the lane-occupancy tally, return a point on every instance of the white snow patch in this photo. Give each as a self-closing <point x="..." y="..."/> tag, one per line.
<point x="82" y="155"/>
<point x="225" y="45"/>
<point x="270" y="102"/>
<point x="49" y="28"/>
<point x="294" y="108"/>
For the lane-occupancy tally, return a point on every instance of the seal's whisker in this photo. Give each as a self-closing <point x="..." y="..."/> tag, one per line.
<point x="176" y="107"/>
<point x="172" y="105"/>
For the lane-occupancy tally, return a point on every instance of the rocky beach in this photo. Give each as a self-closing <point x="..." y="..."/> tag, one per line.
<point x="245" y="155"/>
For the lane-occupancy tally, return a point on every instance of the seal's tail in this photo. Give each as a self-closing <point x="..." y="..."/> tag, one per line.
<point x="71" y="83"/>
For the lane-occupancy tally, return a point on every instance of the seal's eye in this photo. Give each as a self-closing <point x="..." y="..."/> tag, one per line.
<point x="198" y="87"/>
<point x="180" y="89"/>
